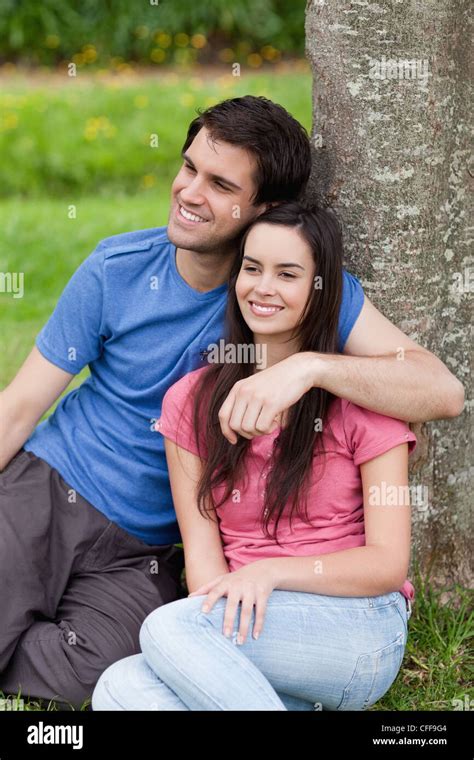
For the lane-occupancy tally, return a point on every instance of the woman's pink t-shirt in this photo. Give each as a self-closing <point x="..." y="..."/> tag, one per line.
<point x="335" y="501"/>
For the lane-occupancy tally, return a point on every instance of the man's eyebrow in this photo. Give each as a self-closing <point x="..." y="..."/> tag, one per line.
<point x="213" y="176"/>
<point x="277" y="266"/>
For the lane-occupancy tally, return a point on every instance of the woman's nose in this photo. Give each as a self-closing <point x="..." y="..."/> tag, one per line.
<point x="265" y="286"/>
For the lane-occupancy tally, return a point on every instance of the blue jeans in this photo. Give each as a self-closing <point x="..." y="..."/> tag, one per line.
<point x="314" y="652"/>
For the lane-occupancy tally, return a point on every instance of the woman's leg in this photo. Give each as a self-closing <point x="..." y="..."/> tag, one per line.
<point x="315" y="651"/>
<point x="130" y="684"/>
<point x="340" y="653"/>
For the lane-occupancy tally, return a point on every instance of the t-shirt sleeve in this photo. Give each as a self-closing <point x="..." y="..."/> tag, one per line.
<point x="369" y="434"/>
<point x="351" y="306"/>
<point x="177" y="416"/>
<point x="73" y="335"/>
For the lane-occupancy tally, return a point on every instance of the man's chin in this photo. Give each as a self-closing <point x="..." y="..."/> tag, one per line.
<point x="187" y="240"/>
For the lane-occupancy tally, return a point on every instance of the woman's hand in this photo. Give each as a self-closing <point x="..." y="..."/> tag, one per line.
<point x="250" y="585"/>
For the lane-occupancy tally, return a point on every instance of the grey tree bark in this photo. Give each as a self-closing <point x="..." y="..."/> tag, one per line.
<point x="390" y="137"/>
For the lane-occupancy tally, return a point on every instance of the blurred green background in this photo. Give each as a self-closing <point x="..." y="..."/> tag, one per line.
<point x="84" y="141"/>
<point x="176" y="31"/>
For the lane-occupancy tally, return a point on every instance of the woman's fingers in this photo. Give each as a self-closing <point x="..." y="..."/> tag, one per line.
<point x="245" y="615"/>
<point x="260" y="610"/>
<point x="233" y="600"/>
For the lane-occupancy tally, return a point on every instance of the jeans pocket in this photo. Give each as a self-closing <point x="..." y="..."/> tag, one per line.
<point x="373" y="675"/>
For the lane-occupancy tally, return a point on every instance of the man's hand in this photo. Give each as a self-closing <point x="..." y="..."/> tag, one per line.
<point x="253" y="405"/>
<point x="250" y="585"/>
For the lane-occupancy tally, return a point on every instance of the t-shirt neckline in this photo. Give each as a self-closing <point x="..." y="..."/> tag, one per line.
<point x="209" y="295"/>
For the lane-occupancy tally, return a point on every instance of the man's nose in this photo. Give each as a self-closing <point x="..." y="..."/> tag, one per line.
<point x="193" y="193"/>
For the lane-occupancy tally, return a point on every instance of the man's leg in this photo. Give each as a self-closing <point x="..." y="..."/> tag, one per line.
<point x="45" y="528"/>
<point x="79" y="590"/>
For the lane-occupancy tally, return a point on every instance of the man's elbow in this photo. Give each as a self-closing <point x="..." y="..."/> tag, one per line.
<point x="455" y="398"/>
<point x="446" y="389"/>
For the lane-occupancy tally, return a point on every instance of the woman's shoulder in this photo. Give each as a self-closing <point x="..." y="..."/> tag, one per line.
<point x="187" y="382"/>
<point x="367" y="431"/>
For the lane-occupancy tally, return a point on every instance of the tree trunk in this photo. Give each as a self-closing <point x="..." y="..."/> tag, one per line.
<point x="390" y="139"/>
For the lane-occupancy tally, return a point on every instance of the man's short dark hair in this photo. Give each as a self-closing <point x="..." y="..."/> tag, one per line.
<point x="279" y="143"/>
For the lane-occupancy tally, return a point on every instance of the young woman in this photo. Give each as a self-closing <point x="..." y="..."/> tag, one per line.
<point x="296" y="542"/>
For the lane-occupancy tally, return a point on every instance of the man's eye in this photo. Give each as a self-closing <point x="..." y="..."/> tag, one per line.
<point x="189" y="168"/>
<point x="222" y="187"/>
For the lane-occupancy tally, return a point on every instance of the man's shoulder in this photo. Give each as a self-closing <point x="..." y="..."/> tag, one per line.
<point x="136" y="240"/>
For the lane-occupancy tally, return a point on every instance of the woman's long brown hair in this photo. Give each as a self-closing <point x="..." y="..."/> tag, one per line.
<point x="299" y="442"/>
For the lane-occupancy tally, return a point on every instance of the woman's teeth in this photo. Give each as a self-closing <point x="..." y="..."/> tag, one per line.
<point x="190" y="217"/>
<point x="265" y="309"/>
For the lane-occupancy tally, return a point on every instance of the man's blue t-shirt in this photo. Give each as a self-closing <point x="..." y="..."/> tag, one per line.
<point x="130" y="316"/>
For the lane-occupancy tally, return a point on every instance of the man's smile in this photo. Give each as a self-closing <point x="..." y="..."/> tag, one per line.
<point x="188" y="216"/>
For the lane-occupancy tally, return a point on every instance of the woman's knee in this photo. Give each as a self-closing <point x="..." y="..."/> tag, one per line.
<point x="171" y="619"/>
<point x="115" y="683"/>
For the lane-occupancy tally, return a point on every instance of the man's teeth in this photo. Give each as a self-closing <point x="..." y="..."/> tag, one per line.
<point x="190" y="217"/>
<point x="266" y="309"/>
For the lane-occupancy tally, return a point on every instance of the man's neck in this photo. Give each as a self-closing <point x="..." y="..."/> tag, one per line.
<point x="204" y="271"/>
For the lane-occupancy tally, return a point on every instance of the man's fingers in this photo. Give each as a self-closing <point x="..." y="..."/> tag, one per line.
<point x="224" y="416"/>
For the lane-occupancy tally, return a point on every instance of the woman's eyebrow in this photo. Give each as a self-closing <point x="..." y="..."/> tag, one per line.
<point x="277" y="266"/>
<point x="213" y="176"/>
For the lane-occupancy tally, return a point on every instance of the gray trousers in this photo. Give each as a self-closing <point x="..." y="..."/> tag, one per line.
<point x="74" y="586"/>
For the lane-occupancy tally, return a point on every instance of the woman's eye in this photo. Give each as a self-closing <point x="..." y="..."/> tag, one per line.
<point x="250" y="269"/>
<point x="288" y="274"/>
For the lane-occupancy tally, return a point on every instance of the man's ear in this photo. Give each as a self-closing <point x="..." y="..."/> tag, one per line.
<point x="265" y="206"/>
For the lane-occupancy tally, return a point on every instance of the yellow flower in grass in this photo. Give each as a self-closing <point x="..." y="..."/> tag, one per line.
<point x="198" y="41"/>
<point x="162" y="39"/>
<point x="90" y="53"/>
<point x="186" y="99"/>
<point x="9" y="121"/>
<point x="269" y="53"/>
<point x="148" y="180"/>
<point x="181" y="39"/>
<point x="157" y="55"/>
<point x="52" y="41"/>
<point x="141" y="101"/>
<point x="254" y="60"/>
<point x="99" y="126"/>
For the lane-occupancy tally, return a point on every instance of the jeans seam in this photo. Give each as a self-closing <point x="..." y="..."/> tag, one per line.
<point x="405" y="622"/>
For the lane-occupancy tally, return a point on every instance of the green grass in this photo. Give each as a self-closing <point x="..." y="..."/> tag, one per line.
<point x="439" y="657"/>
<point x="83" y="136"/>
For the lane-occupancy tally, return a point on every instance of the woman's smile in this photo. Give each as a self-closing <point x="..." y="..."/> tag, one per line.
<point x="264" y="310"/>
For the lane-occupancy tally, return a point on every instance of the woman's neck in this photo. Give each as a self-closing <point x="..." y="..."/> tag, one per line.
<point x="270" y="352"/>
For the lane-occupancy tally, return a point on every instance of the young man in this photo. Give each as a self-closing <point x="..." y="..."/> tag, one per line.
<point x="87" y="520"/>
